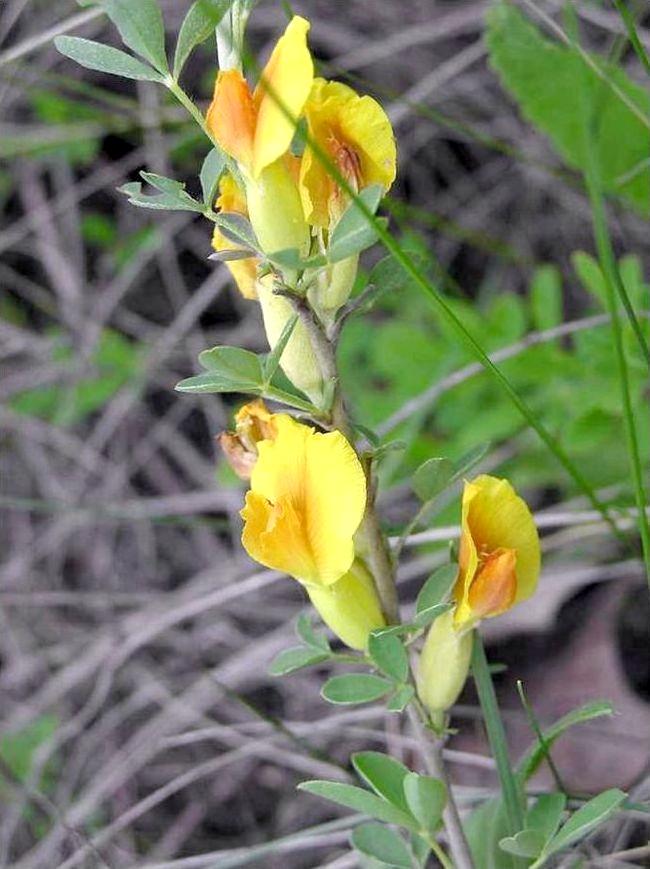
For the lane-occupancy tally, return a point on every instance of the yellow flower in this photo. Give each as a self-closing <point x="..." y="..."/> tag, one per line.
<point x="256" y="128"/>
<point x="443" y="664"/>
<point x="355" y="133"/>
<point x="244" y="271"/>
<point x="499" y="557"/>
<point x="306" y="501"/>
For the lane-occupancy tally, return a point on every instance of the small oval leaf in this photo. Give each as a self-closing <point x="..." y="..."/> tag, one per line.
<point x="355" y="688"/>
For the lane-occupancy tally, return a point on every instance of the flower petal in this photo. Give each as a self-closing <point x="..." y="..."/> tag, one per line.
<point x="498" y="536"/>
<point x="231" y="116"/>
<point x="356" y="135"/>
<point x="244" y="271"/>
<point x="318" y="482"/>
<point x="283" y="88"/>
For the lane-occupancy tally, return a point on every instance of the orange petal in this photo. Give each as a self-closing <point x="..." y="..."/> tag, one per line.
<point x="494" y="588"/>
<point x="231" y="116"/>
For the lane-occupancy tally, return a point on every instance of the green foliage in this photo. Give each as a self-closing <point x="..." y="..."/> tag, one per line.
<point x="141" y="28"/>
<point x="437" y="588"/>
<point x="104" y="58"/>
<point x="78" y="393"/>
<point x="553" y="83"/>
<point x="198" y="25"/>
<point x="172" y="195"/>
<point x="388" y="653"/>
<point x="352" y="688"/>
<point x="486" y="827"/>
<point x="381" y="843"/>
<point x="426" y="798"/>
<point x="17" y="749"/>
<point x="571" y="383"/>
<point x="384" y="775"/>
<point x="353" y="233"/>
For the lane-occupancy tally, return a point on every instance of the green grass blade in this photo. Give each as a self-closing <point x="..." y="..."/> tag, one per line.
<point x="512" y="795"/>
<point x="633" y="36"/>
<point x="610" y="273"/>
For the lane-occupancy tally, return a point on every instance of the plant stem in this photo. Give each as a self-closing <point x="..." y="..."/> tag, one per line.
<point x="432" y="755"/>
<point x="174" y="88"/>
<point x="380" y="562"/>
<point x="444" y="860"/>
<point x="512" y="797"/>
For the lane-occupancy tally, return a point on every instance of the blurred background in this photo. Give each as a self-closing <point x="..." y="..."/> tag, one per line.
<point x="138" y="725"/>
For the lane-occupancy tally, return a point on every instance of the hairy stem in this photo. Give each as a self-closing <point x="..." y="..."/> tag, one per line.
<point x="432" y="756"/>
<point x="380" y="561"/>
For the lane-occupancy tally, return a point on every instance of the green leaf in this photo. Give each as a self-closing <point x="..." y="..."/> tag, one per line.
<point x="421" y="850"/>
<point x="487" y="824"/>
<point x="552" y="84"/>
<point x="291" y="258"/>
<point x="172" y="197"/>
<point x="586" y="819"/>
<point x="437" y="588"/>
<point x="236" y="228"/>
<point x="389" y="654"/>
<point x="525" y="843"/>
<point x="384" y="774"/>
<point x="546" y="813"/>
<point x="104" y="58"/>
<point x="295" y="659"/>
<point x="546" y="297"/>
<point x="198" y="25"/>
<point x="211" y="172"/>
<point x="590" y="275"/>
<point x="352" y="688"/>
<point x="353" y="232"/>
<point x="432" y="477"/>
<point x="359" y="800"/>
<point x="430" y="614"/>
<point x="536" y="754"/>
<point x="230" y="369"/>
<point x="468" y="461"/>
<point x="401" y="699"/>
<point x="305" y="631"/>
<point x="426" y="798"/>
<point x="381" y="843"/>
<point x="272" y="361"/>
<point x="141" y="27"/>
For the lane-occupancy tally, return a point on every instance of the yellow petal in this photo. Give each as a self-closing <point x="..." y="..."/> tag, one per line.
<point x="350" y="607"/>
<point x="283" y="88"/>
<point x="255" y="423"/>
<point x="231" y="118"/>
<point x="308" y="494"/>
<point x="443" y="664"/>
<point x="243" y="271"/>
<point x="495" y="522"/>
<point x="355" y="133"/>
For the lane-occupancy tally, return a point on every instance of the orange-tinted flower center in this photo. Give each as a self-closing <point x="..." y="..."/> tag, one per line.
<point x="494" y="587"/>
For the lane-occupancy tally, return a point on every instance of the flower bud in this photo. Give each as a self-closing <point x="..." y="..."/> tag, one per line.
<point x="443" y="665"/>
<point x="349" y="607"/>
<point x="275" y="210"/>
<point x="298" y="360"/>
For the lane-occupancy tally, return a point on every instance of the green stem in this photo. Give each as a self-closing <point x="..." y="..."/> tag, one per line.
<point x="512" y="796"/>
<point x="174" y="88"/>
<point x="443" y="858"/>
<point x="610" y="275"/>
<point x="633" y="36"/>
